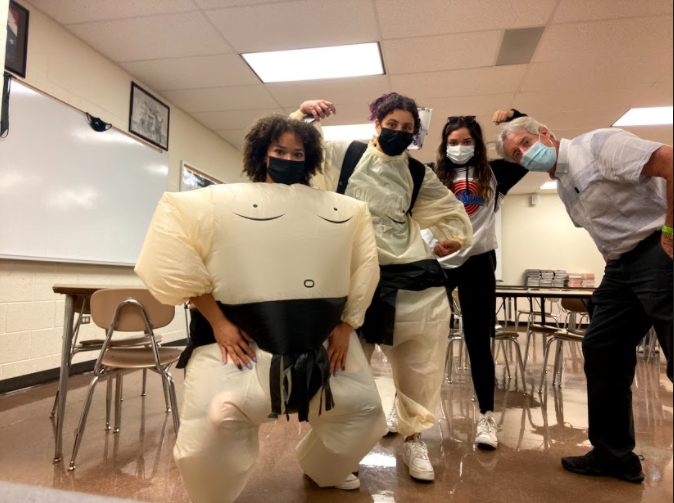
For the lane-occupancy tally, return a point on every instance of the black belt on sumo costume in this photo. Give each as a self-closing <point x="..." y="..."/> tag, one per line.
<point x="293" y="331"/>
<point x="415" y="277"/>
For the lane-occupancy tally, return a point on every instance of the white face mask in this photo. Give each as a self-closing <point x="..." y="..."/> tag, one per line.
<point x="461" y="154"/>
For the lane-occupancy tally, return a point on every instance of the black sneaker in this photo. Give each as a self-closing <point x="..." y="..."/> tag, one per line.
<point x="591" y="466"/>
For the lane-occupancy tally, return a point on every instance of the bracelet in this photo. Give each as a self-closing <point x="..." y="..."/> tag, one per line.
<point x="667" y="230"/>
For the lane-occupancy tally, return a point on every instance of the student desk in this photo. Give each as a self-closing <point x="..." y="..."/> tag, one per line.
<point x="75" y="296"/>
<point x="514" y="292"/>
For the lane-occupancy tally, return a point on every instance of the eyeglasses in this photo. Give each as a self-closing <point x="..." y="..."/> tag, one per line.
<point x="466" y="119"/>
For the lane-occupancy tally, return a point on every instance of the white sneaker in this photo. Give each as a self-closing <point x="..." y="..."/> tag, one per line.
<point x="352" y="483"/>
<point x="415" y="457"/>
<point x="486" y="432"/>
<point x="392" y="420"/>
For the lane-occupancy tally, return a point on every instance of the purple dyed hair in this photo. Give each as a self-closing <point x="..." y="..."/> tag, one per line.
<point x="388" y="103"/>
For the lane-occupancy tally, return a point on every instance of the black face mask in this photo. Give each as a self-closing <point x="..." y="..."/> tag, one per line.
<point x="394" y="143"/>
<point x="286" y="172"/>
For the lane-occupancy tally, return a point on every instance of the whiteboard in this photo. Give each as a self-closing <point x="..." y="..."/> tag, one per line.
<point x="70" y="194"/>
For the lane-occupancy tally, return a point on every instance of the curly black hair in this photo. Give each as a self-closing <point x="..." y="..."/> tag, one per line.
<point x="385" y="105"/>
<point x="269" y="129"/>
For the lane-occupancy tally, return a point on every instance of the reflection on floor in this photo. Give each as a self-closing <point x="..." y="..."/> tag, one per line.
<point x="535" y="432"/>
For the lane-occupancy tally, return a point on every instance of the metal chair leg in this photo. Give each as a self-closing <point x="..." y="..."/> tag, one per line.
<point x="528" y="345"/>
<point x="118" y="403"/>
<point x="518" y="353"/>
<point x="108" y="404"/>
<point x="544" y="374"/>
<point x="507" y="363"/>
<point x="167" y="398"/>
<point x="450" y="362"/>
<point x="83" y="422"/>
<point x="557" y="360"/>
<point x="173" y="400"/>
<point x="560" y="364"/>
<point x="143" y="393"/>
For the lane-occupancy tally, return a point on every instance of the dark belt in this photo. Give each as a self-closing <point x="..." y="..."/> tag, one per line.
<point x="380" y="319"/>
<point x="293" y="332"/>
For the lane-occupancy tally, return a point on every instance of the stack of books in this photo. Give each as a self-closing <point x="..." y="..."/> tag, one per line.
<point x="588" y="280"/>
<point x="547" y="277"/>
<point x="532" y="278"/>
<point x="561" y="279"/>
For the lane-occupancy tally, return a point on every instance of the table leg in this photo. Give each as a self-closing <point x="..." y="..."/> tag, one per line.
<point x="68" y="324"/>
<point x="544" y="318"/>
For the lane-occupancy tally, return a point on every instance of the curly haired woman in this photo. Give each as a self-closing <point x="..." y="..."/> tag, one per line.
<point x="281" y="275"/>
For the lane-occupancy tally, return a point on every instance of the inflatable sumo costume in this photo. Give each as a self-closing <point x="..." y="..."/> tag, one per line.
<point x="286" y="264"/>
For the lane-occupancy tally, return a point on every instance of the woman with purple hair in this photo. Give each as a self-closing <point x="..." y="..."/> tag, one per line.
<point x="410" y="315"/>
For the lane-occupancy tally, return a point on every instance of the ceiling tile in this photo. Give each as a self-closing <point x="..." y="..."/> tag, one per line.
<point x="599" y="74"/>
<point x="595" y="119"/>
<point x="622" y="38"/>
<point x="570" y="101"/>
<point x="661" y="134"/>
<point x="167" y="36"/>
<point x="193" y="73"/>
<point x="82" y="11"/>
<point x="584" y="10"/>
<point x="361" y="90"/>
<point x="469" y="105"/>
<point x="297" y="25"/>
<point x="233" y="136"/>
<point x="660" y="95"/>
<point x="405" y="18"/>
<point x="504" y="79"/>
<point x="530" y="184"/>
<point x="240" y="119"/>
<point x="443" y="52"/>
<point x="221" y="99"/>
<point x="225" y="4"/>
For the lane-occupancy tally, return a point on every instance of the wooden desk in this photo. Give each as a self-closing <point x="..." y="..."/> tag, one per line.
<point x="513" y="292"/>
<point x="75" y="295"/>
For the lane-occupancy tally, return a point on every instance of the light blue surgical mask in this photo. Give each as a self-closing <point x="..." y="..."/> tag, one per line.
<point x="540" y="158"/>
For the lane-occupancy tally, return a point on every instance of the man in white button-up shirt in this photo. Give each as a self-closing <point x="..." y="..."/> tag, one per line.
<point x="619" y="188"/>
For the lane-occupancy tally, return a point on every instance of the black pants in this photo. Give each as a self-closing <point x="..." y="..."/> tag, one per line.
<point x="477" y="293"/>
<point x="636" y="294"/>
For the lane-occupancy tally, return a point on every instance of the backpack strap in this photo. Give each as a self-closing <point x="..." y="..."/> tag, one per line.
<point x="418" y="172"/>
<point x="354" y="154"/>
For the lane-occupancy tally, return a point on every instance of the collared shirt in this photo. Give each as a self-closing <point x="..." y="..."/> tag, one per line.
<point x="604" y="191"/>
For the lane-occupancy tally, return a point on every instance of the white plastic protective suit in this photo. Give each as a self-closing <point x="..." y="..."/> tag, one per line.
<point x="422" y="318"/>
<point x="259" y="243"/>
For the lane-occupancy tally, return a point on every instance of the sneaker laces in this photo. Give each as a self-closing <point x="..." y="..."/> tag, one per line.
<point x="419" y="448"/>
<point x="487" y="425"/>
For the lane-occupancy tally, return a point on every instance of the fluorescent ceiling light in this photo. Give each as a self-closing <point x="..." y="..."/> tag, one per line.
<point x="656" y="116"/>
<point x="551" y="185"/>
<point x="316" y="64"/>
<point x="353" y="132"/>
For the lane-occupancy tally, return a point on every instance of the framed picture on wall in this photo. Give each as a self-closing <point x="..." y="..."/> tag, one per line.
<point x="149" y="118"/>
<point x="193" y="179"/>
<point x="16" y="53"/>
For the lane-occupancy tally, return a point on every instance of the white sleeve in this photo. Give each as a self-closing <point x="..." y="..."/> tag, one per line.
<point x="364" y="271"/>
<point x="439" y="211"/>
<point x="171" y="263"/>
<point x="622" y="155"/>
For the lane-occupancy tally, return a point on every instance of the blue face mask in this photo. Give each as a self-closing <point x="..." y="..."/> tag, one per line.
<point x="540" y="158"/>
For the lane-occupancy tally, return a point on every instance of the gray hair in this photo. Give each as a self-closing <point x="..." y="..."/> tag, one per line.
<point x="521" y="125"/>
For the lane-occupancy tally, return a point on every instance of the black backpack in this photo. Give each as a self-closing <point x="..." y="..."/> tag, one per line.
<point x="355" y="153"/>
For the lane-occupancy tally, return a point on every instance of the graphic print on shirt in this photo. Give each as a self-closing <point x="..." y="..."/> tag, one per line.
<point x="471" y="197"/>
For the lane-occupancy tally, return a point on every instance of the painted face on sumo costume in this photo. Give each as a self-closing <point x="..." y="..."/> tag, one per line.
<point x="277" y="243"/>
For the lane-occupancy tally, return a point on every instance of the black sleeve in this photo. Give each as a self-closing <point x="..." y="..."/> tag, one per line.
<point x="518" y="115"/>
<point x="508" y="174"/>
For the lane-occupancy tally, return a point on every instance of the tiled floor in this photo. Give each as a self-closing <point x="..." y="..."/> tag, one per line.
<point x="534" y="434"/>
